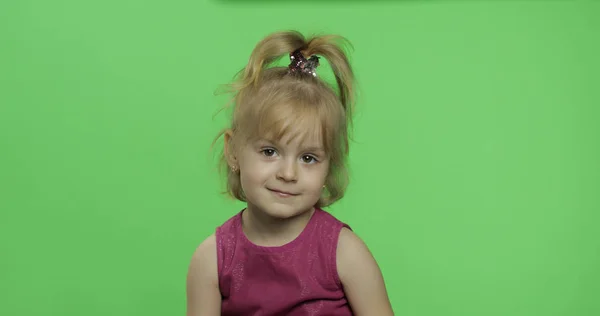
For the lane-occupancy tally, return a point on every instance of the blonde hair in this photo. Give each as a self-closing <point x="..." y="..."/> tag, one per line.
<point x="266" y="97"/>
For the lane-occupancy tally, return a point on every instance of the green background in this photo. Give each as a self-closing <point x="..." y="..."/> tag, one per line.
<point x="475" y="166"/>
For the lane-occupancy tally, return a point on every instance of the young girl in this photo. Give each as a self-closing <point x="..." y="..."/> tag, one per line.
<point x="286" y="153"/>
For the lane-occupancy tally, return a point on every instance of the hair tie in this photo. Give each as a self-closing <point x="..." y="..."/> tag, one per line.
<point x="299" y="63"/>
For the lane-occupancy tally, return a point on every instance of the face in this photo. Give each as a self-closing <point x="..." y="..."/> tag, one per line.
<point x="283" y="178"/>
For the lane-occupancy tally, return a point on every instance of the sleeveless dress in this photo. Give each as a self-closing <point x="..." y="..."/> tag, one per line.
<point x="297" y="279"/>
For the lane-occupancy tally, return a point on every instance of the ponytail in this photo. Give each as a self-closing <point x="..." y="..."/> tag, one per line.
<point x="269" y="50"/>
<point x="282" y="44"/>
<point x="331" y="47"/>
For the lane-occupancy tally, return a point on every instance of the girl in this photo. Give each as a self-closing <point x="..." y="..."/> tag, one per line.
<point x="286" y="153"/>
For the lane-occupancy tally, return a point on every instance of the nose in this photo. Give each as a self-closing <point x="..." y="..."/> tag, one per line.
<point x="287" y="171"/>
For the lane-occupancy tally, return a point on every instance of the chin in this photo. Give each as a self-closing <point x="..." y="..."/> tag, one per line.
<point x="284" y="211"/>
<point x="281" y="210"/>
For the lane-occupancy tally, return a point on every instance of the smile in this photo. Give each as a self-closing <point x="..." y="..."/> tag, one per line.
<point x="282" y="193"/>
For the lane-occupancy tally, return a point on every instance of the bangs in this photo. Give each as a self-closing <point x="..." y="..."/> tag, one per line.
<point x="289" y="121"/>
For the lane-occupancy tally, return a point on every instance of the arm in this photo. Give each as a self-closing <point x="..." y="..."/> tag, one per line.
<point x="203" y="295"/>
<point x="361" y="277"/>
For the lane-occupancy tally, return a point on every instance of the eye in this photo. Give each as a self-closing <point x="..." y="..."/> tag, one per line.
<point x="309" y="159"/>
<point x="269" y="152"/>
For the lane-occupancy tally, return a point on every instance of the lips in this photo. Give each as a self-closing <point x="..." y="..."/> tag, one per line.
<point x="280" y="192"/>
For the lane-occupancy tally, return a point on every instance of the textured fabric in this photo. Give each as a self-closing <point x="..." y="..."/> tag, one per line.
<point x="296" y="279"/>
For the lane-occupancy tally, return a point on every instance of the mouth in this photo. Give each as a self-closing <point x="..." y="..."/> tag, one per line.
<point x="282" y="193"/>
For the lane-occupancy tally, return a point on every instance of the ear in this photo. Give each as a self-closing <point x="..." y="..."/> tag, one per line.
<point x="229" y="150"/>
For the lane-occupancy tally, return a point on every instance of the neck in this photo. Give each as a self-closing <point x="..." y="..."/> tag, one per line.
<point x="268" y="231"/>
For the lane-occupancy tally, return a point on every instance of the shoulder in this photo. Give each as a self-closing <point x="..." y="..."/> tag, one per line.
<point x="351" y="247"/>
<point x="208" y="253"/>
<point x="203" y="295"/>
<point x="361" y="276"/>
<point x="207" y="246"/>
<point x="353" y="255"/>
<point x="204" y="260"/>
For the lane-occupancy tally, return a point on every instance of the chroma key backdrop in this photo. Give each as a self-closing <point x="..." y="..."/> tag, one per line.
<point x="475" y="165"/>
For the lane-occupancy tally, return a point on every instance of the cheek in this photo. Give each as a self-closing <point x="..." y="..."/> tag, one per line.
<point x="253" y="173"/>
<point x="318" y="177"/>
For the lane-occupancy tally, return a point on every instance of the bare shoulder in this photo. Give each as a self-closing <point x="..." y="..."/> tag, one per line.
<point x="203" y="295"/>
<point x="206" y="251"/>
<point x="361" y="276"/>
<point x="352" y="255"/>
<point x="349" y="241"/>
